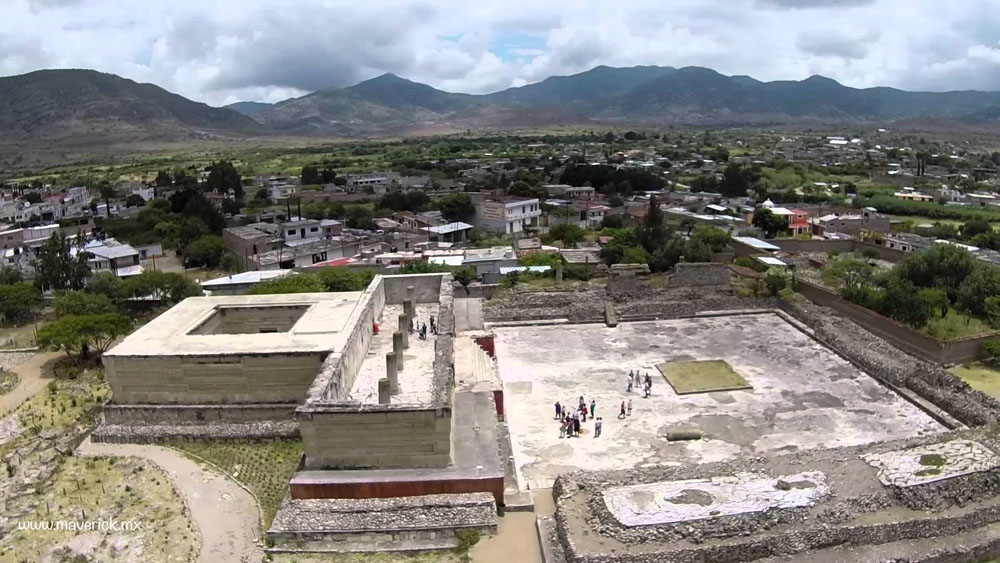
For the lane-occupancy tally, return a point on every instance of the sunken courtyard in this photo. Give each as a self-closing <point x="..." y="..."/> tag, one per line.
<point x="750" y="429"/>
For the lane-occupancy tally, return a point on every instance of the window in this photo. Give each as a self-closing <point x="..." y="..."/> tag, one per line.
<point x="291" y="232"/>
<point x="313" y="229"/>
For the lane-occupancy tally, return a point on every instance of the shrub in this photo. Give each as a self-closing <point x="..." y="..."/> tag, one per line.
<point x="466" y="539"/>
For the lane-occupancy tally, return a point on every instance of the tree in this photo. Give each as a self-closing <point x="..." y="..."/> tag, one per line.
<point x="465" y="275"/>
<point x="975" y="227"/>
<point x="191" y="203"/>
<point x="992" y="348"/>
<point x="847" y="272"/>
<point x="613" y="222"/>
<point x="980" y="285"/>
<point x="935" y="300"/>
<point x="667" y="256"/>
<point x="58" y="268"/>
<point x="310" y="175"/>
<point x="223" y="178"/>
<point x="168" y="287"/>
<point x="32" y="197"/>
<point x="360" y="217"/>
<point x="204" y="251"/>
<point x="457" y="207"/>
<point x="697" y="251"/>
<point x="81" y="303"/>
<point x="77" y="335"/>
<point x="776" y="279"/>
<point x="292" y="283"/>
<point x="568" y="233"/>
<point x="713" y="237"/>
<point x="652" y="233"/>
<point x="18" y="301"/>
<point x="634" y="255"/>
<point x="902" y="301"/>
<point x="768" y="222"/>
<point x="110" y="286"/>
<point x="343" y="278"/>
<point x="134" y="200"/>
<point x="993" y="311"/>
<point x="735" y="181"/>
<point x="10" y="275"/>
<point x="398" y="200"/>
<point x="163" y="179"/>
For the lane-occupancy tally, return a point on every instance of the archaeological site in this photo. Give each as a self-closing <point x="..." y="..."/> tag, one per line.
<point x="676" y="422"/>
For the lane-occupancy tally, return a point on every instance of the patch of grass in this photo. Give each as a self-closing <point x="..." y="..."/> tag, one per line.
<point x="94" y="489"/>
<point x="66" y="403"/>
<point x="954" y="325"/>
<point x="264" y="467"/>
<point x="933" y="460"/>
<point x="702" y="376"/>
<point x="980" y="377"/>
<point x="19" y="336"/>
<point x="928" y="472"/>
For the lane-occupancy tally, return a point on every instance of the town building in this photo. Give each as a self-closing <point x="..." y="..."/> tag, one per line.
<point x="851" y="223"/>
<point x="507" y="215"/>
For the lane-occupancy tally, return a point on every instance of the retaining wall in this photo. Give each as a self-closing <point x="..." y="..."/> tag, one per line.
<point x="383" y="438"/>
<point x="426" y="287"/>
<point x="903" y="337"/>
<point x="212" y="379"/>
<point x="196" y="414"/>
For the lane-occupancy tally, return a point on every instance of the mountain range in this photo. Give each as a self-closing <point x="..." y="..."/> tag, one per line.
<point x="66" y="107"/>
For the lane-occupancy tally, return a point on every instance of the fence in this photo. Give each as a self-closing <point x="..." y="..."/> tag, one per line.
<point x="899" y="335"/>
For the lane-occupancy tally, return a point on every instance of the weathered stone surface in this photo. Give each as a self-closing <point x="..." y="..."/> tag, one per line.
<point x="934" y="462"/>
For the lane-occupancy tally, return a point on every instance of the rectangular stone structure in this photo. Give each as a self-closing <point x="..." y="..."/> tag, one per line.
<point x="391" y="372"/>
<point x="397" y="349"/>
<point x="404" y="329"/>
<point x="384" y="394"/>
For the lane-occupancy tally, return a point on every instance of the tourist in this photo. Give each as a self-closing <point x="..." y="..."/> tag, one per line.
<point x="646" y="389"/>
<point x="630" y="407"/>
<point x="558" y="410"/>
<point x="576" y="426"/>
<point x="593" y="407"/>
<point x="597" y="427"/>
<point x="423" y="331"/>
<point x="562" y="428"/>
<point x="413" y="326"/>
<point x="628" y="387"/>
<point x="582" y="405"/>
<point x="621" y="414"/>
<point x="637" y="378"/>
<point x="583" y="414"/>
<point x="433" y="326"/>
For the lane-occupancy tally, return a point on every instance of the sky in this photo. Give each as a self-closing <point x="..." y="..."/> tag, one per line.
<point x="223" y="51"/>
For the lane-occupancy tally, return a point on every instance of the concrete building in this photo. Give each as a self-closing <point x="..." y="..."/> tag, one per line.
<point x="851" y="223"/>
<point x="570" y="192"/>
<point x="109" y="255"/>
<point x="508" y="215"/>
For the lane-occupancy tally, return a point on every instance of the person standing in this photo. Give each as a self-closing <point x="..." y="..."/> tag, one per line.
<point x="597" y="427"/>
<point x="576" y="426"/>
<point x="562" y="429"/>
<point x="630" y="407"/>
<point x="628" y="385"/>
<point x="621" y="414"/>
<point x="558" y="410"/>
<point x="433" y="326"/>
<point x="593" y="407"/>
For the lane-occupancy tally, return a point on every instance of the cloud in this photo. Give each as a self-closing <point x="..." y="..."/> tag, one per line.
<point x="225" y="50"/>
<point x="807" y="4"/>
<point x="833" y="45"/>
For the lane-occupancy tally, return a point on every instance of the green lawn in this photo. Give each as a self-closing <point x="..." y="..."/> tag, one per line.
<point x="955" y="325"/>
<point x="980" y="377"/>
<point x="264" y="467"/>
<point x="702" y="376"/>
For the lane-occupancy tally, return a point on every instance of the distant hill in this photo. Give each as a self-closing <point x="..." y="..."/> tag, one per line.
<point x="249" y="108"/>
<point x="71" y="100"/>
<point x="58" y="108"/>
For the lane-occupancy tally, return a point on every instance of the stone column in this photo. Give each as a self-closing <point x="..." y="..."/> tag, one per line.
<point x="409" y="310"/>
<point x="559" y="274"/>
<point x="391" y="372"/>
<point x="404" y="329"/>
<point x="397" y="349"/>
<point x="384" y="397"/>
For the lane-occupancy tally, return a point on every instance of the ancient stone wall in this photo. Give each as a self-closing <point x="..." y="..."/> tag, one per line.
<point x="214" y="379"/>
<point x="381" y="438"/>
<point x="196" y="414"/>
<point x="426" y="287"/>
<point x="700" y="274"/>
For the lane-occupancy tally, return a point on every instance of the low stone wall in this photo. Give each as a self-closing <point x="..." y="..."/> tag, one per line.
<point x="700" y="274"/>
<point x="196" y="414"/>
<point x="156" y="433"/>
<point x="913" y="342"/>
<point x="334" y="524"/>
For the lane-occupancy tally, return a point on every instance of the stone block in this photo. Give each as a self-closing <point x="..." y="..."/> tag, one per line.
<point x="397" y="349"/>
<point x="384" y="395"/>
<point x="391" y="372"/>
<point x="404" y="328"/>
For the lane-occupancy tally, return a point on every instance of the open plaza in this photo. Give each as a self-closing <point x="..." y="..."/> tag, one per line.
<point x="803" y="395"/>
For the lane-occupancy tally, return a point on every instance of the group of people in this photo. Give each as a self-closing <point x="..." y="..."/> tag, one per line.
<point x="421" y="330"/>
<point x="634" y="378"/>
<point x="570" y="420"/>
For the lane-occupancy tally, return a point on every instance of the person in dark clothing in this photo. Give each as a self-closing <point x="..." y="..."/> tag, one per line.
<point x="558" y="410"/>
<point x="621" y="414"/>
<point x="433" y="326"/>
<point x="593" y="407"/>
<point x="576" y="426"/>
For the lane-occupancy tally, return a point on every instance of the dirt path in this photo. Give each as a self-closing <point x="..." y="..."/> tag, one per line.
<point x="226" y="515"/>
<point x="517" y="538"/>
<point x="30" y="372"/>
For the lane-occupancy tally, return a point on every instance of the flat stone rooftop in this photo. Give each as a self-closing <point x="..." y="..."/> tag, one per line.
<point x="322" y="327"/>
<point x="803" y="395"/>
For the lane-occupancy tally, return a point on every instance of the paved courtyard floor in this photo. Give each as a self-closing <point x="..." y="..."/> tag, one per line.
<point x="804" y="395"/>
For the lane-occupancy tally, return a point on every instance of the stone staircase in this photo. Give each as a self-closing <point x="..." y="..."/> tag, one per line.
<point x="473" y="366"/>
